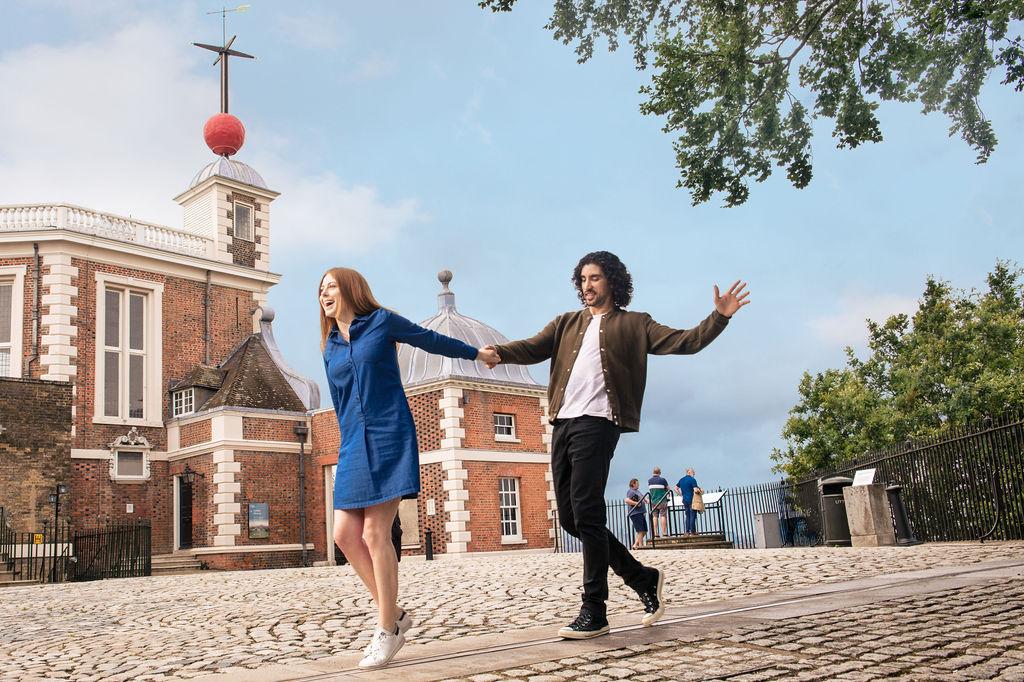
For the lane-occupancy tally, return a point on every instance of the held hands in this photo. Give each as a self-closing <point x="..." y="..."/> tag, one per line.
<point x="488" y="356"/>
<point x="733" y="300"/>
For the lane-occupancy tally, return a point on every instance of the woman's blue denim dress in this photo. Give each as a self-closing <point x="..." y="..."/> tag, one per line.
<point x="378" y="459"/>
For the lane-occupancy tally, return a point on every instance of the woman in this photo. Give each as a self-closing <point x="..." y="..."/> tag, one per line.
<point x="378" y="462"/>
<point x="637" y="512"/>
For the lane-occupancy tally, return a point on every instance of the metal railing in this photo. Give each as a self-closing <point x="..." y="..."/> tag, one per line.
<point x="121" y="549"/>
<point x="43" y="557"/>
<point x="965" y="485"/>
<point x="77" y="219"/>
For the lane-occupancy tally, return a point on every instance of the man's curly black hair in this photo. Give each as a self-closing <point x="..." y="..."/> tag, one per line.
<point x="619" y="279"/>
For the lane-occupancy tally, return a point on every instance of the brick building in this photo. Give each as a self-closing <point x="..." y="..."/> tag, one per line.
<point x="483" y="439"/>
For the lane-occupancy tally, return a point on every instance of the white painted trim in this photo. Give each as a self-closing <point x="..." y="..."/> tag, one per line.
<point x="505" y="389"/>
<point x="176" y="513"/>
<point x="455" y="454"/>
<point x="267" y="194"/>
<point x="513" y="541"/>
<point x="262" y="446"/>
<point x="85" y="453"/>
<point x="250" y="549"/>
<point x="16" y="273"/>
<point x="108" y="251"/>
<point x="329" y="515"/>
<point x="154" y="334"/>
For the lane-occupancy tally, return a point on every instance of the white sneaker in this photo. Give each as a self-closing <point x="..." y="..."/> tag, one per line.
<point x="404" y="622"/>
<point x="382" y="649"/>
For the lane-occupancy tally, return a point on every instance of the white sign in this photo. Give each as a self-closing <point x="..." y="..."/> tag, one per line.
<point x="864" y="477"/>
<point x="431" y="507"/>
<point x="129" y="508"/>
<point x="712" y="498"/>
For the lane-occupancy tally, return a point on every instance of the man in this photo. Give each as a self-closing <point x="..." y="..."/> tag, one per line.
<point x="598" y="373"/>
<point x="686" y="486"/>
<point x="657" y="487"/>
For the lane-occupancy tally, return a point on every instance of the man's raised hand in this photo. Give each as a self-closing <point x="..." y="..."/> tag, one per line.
<point x="734" y="299"/>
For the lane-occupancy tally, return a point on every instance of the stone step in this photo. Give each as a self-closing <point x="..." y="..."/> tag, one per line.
<point x="178" y="570"/>
<point x="175" y="563"/>
<point x="18" y="583"/>
<point x="691" y="544"/>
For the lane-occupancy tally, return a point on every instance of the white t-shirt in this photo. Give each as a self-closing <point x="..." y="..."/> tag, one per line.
<point x="586" y="392"/>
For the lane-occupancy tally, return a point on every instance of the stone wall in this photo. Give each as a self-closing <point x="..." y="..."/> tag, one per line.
<point x="35" y="448"/>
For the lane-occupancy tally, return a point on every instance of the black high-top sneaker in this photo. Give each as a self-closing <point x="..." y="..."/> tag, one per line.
<point x="585" y="626"/>
<point x="650" y="595"/>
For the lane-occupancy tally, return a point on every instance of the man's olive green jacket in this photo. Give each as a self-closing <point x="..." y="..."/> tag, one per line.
<point x="626" y="340"/>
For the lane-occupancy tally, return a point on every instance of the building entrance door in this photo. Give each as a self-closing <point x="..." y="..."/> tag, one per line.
<point x="184" y="515"/>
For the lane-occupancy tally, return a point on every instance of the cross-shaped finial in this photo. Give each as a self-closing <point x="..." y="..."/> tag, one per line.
<point x="223" y="52"/>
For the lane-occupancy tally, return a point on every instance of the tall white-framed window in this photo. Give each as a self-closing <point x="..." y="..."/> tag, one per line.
<point x="12" y="292"/>
<point x="183" y="402"/>
<point x="508" y="506"/>
<point x="128" y="351"/>
<point x="243" y="220"/>
<point x="505" y="427"/>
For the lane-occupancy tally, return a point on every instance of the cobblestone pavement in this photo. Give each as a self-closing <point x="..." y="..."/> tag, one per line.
<point x="970" y="633"/>
<point x="185" y="626"/>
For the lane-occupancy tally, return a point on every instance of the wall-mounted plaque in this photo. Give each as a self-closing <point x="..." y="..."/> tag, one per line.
<point x="259" y="520"/>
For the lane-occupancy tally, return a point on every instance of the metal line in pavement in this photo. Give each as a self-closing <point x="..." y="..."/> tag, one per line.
<point x="629" y="628"/>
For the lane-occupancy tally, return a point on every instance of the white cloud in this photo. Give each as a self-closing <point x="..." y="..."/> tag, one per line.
<point x="470" y="119"/>
<point x="115" y="123"/>
<point x="312" y="30"/>
<point x="374" y="67"/>
<point x="848" y="326"/>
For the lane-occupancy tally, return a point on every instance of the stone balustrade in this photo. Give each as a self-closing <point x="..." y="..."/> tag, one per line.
<point x="77" y="219"/>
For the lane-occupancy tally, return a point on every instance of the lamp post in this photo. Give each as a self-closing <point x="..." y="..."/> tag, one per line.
<point x="301" y="430"/>
<point x="58" y="490"/>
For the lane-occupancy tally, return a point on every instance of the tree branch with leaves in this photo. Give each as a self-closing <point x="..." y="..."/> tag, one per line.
<point x="740" y="83"/>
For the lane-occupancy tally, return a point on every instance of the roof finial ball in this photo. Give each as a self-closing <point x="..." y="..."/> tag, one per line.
<point x="445" y="277"/>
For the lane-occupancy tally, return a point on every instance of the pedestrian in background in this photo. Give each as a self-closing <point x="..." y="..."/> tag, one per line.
<point x="637" y="512"/>
<point x="657" y="486"/>
<point x="686" y="488"/>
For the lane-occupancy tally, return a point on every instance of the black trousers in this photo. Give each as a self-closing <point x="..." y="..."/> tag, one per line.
<point x="581" y="452"/>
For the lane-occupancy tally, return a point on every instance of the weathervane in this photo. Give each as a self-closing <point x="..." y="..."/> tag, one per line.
<point x="224" y="133"/>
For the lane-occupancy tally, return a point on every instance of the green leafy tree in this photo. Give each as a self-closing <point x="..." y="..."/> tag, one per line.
<point x="959" y="359"/>
<point x="740" y="83"/>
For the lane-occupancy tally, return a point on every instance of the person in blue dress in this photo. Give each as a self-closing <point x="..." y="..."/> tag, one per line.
<point x="686" y="487"/>
<point x="378" y="461"/>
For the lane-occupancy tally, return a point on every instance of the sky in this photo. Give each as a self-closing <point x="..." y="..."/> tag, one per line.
<point x="407" y="138"/>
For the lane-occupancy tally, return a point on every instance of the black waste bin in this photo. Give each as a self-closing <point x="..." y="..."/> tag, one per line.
<point x="835" y="528"/>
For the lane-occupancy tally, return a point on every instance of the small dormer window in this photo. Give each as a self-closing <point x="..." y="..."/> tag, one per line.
<point x="183" y="402"/>
<point x="243" y="220"/>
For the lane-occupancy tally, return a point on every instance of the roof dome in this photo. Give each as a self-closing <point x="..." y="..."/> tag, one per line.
<point x="230" y="169"/>
<point x="419" y="367"/>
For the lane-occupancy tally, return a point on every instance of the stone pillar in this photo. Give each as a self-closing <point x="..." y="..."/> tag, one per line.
<point x="867" y="510"/>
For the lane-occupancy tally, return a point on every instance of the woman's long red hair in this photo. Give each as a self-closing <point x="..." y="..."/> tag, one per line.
<point x="354" y="289"/>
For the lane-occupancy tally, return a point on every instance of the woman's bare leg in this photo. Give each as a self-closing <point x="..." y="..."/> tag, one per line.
<point x="348" y="534"/>
<point x="377" y="521"/>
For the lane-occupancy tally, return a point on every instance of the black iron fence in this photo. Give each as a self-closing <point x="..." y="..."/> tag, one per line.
<point x="37" y="556"/>
<point x="966" y="485"/>
<point x="120" y="549"/>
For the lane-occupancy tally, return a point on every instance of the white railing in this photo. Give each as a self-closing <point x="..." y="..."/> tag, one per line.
<point x="77" y="219"/>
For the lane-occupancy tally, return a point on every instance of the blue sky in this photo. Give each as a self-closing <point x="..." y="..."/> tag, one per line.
<point x="406" y="138"/>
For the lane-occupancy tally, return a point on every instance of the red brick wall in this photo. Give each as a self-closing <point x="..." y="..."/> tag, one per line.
<point x="255" y="428"/>
<point x="183" y="326"/>
<point x="479" y="421"/>
<point x="324" y="437"/>
<point x="35" y="449"/>
<point x="96" y="499"/>
<point x="194" y="433"/>
<point x="431" y="486"/>
<point x="252" y="560"/>
<point x="273" y="478"/>
<point x="485" y="520"/>
<point x="427" y="416"/>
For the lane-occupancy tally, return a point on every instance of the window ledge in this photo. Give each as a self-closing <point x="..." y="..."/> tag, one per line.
<point x="513" y="541"/>
<point x="507" y="439"/>
<point x="129" y="481"/>
<point x="117" y="421"/>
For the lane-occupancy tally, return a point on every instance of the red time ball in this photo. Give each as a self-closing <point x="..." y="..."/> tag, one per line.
<point x="224" y="134"/>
